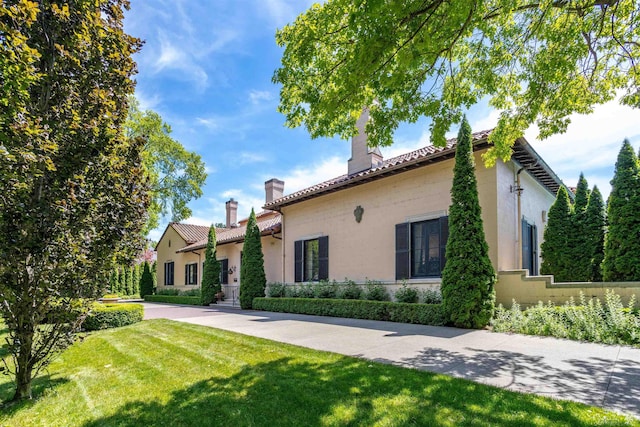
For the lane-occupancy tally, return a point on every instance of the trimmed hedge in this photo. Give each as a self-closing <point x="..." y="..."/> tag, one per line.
<point x="173" y="299"/>
<point x="423" y="314"/>
<point x="105" y="316"/>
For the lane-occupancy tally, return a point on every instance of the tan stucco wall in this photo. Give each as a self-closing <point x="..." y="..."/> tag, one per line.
<point x="271" y="250"/>
<point x="367" y="249"/>
<point x="166" y="250"/>
<point x="528" y="291"/>
<point x="534" y="199"/>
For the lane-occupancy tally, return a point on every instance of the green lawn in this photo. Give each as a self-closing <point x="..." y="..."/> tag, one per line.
<point x="161" y="372"/>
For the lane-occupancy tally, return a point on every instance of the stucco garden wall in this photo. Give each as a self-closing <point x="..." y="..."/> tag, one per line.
<point x="527" y="291"/>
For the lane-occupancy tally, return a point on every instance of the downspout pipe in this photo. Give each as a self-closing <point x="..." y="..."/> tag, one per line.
<point x="519" y="190"/>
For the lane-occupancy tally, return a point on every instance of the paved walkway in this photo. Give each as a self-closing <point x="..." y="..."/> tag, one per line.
<point x="599" y="375"/>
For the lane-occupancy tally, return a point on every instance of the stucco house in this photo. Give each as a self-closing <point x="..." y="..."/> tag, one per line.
<point x="384" y="220"/>
<point x="182" y="246"/>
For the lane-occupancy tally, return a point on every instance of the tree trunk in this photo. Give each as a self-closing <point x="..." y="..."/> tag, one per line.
<point x="24" y="365"/>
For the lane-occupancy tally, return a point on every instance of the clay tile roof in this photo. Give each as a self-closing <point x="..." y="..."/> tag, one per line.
<point x="228" y="235"/>
<point x="191" y="233"/>
<point x="419" y="157"/>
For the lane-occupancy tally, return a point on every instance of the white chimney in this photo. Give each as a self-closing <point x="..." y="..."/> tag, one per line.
<point x="232" y="213"/>
<point x="362" y="157"/>
<point x="273" y="189"/>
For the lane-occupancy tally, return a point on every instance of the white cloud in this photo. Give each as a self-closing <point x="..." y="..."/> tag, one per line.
<point x="306" y="176"/>
<point x="258" y="96"/>
<point x="172" y="57"/>
<point x="246" y="157"/>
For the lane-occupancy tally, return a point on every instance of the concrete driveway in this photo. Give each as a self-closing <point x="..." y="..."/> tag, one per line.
<point x="600" y="375"/>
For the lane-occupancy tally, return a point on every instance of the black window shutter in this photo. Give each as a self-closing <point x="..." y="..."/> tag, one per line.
<point x="224" y="271"/>
<point x="186" y="274"/>
<point x="444" y="235"/>
<point x="298" y="262"/>
<point x="526" y="245"/>
<point x="323" y="258"/>
<point x="195" y="274"/>
<point x="402" y="251"/>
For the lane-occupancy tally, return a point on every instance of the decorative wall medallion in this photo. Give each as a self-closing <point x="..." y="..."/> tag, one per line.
<point x="358" y="213"/>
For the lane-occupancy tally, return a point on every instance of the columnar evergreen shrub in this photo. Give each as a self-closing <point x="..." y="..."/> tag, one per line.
<point x="580" y="266"/>
<point x="154" y="273"/>
<point x="146" y="281"/>
<point x="211" y="270"/>
<point x="252" y="278"/>
<point x="113" y="281"/>
<point x="137" y="273"/>
<point x="128" y="280"/>
<point x="622" y="243"/>
<point x="557" y="258"/>
<point x="468" y="277"/>
<point x="122" y="281"/>
<point x="596" y="224"/>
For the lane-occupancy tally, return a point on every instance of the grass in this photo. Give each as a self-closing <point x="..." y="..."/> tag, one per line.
<point x="161" y="372"/>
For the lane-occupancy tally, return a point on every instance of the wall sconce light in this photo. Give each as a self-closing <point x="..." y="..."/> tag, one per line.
<point x="232" y="269"/>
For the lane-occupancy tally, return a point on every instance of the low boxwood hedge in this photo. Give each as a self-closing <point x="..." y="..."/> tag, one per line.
<point x="423" y="314"/>
<point x="105" y="316"/>
<point x="173" y="299"/>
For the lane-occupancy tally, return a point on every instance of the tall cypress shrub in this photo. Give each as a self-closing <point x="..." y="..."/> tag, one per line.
<point x="579" y="270"/>
<point x="622" y="243"/>
<point x="468" y="277"/>
<point x="557" y="257"/>
<point x="252" y="278"/>
<point x="128" y="280"/>
<point x="596" y="221"/>
<point x="113" y="281"/>
<point x="211" y="271"/>
<point x="146" y="280"/>
<point x="122" y="281"/>
<point x="136" y="278"/>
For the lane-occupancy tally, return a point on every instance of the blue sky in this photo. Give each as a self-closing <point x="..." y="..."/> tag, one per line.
<point x="206" y="68"/>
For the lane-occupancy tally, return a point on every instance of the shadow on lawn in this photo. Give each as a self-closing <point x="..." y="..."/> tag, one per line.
<point x="289" y="393"/>
<point x="590" y="381"/>
<point x="39" y="387"/>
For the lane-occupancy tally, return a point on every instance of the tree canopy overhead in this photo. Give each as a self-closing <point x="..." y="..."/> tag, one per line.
<point x="535" y="61"/>
<point x="176" y="175"/>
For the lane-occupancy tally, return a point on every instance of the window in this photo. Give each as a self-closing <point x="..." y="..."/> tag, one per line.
<point x="420" y="248"/>
<point x="312" y="259"/>
<point x="191" y="274"/>
<point x="168" y="273"/>
<point x="529" y="247"/>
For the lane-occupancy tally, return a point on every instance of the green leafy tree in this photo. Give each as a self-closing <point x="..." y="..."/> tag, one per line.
<point x="536" y="62"/>
<point x="146" y="281"/>
<point x="211" y="270"/>
<point x="74" y="192"/>
<point x="622" y="245"/>
<point x="596" y="221"/>
<point x="580" y="269"/>
<point x="253" y="281"/>
<point x="468" y="277"/>
<point x="176" y="175"/>
<point x="557" y="257"/>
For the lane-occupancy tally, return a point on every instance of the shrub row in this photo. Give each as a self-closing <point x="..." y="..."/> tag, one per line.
<point x="591" y="320"/>
<point x="371" y="290"/>
<point x="104" y="316"/>
<point x="173" y="299"/>
<point x="177" y="292"/>
<point x="423" y="314"/>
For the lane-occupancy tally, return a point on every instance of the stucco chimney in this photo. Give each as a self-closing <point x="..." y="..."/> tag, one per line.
<point x="232" y="213"/>
<point x="362" y="157"/>
<point x="273" y="189"/>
